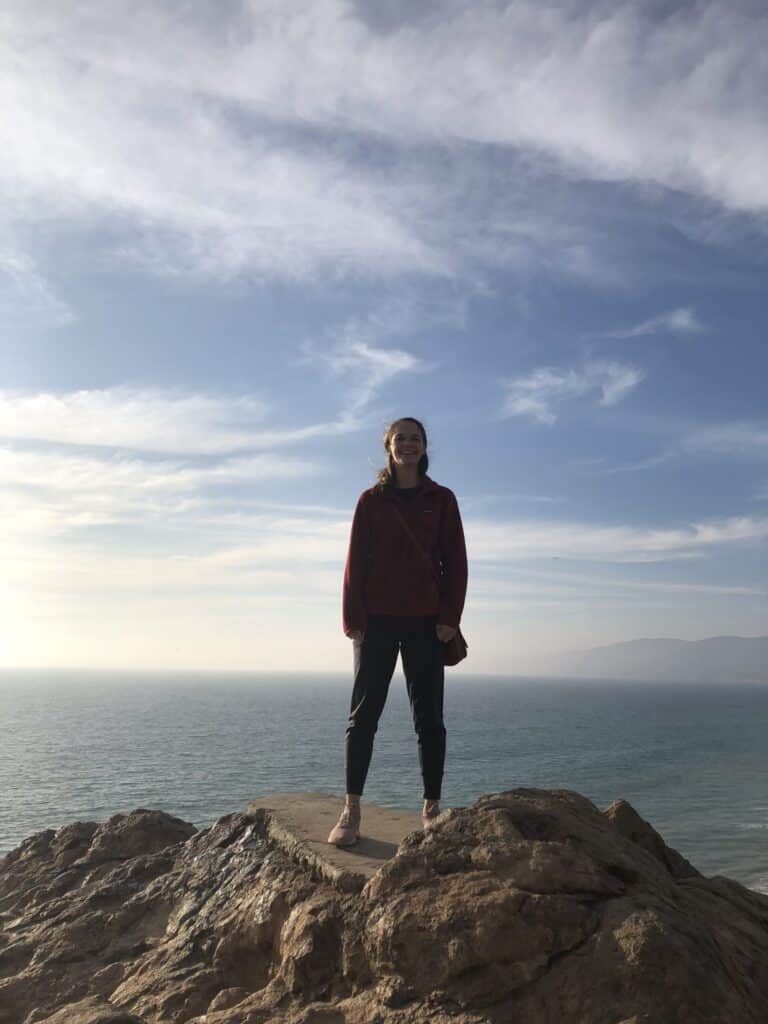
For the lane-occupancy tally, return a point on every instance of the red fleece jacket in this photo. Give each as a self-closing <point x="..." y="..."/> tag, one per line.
<point x="385" y="575"/>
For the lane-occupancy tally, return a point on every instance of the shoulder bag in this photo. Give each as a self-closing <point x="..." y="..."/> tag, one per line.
<point x="455" y="650"/>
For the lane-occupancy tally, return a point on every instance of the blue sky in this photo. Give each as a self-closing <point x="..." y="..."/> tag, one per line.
<point x="238" y="238"/>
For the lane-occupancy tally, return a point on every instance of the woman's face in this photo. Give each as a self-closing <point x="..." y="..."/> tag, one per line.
<point x="406" y="445"/>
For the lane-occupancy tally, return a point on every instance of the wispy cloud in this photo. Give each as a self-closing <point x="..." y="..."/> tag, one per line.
<point x="499" y="542"/>
<point x="651" y="89"/>
<point x="540" y="392"/>
<point x="676" y="321"/>
<point x="26" y="299"/>
<point x="747" y="438"/>
<point x="56" y="492"/>
<point x="142" y="514"/>
<point x="364" y="369"/>
<point x="197" y="180"/>
<point x="373" y="367"/>
<point x="222" y="165"/>
<point x="151" y="420"/>
<point x="478" y="500"/>
<point x="146" y="420"/>
<point x="47" y="492"/>
<point x="360" y="350"/>
<point x="152" y="548"/>
<point x="563" y="587"/>
<point x="636" y="466"/>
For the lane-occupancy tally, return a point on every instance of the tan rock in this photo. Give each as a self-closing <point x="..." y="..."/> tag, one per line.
<point x="632" y="826"/>
<point x="528" y="906"/>
<point x="88" y="1011"/>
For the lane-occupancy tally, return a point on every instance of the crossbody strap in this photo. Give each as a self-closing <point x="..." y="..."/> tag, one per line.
<point x="419" y="548"/>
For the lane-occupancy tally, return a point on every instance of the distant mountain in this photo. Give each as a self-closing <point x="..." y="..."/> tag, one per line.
<point x="720" y="659"/>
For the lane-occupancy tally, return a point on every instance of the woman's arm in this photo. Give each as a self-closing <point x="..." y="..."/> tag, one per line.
<point x="354" y="617"/>
<point x="453" y="555"/>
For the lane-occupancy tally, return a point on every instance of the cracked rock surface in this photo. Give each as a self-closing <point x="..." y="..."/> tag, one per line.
<point x="530" y="905"/>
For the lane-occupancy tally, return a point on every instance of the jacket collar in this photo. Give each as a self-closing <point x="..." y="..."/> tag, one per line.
<point x="428" y="486"/>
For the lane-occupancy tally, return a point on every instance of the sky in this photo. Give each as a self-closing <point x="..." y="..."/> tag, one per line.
<point x="238" y="238"/>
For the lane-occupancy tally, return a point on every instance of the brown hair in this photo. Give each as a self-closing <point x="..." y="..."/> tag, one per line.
<point x="386" y="476"/>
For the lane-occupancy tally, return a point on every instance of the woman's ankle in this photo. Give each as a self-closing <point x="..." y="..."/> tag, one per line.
<point x="352" y="800"/>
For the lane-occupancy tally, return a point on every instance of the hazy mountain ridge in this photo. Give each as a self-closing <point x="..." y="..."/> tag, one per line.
<point x="720" y="659"/>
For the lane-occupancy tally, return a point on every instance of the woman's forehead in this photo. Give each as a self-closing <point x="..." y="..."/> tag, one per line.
<point x="406" y="427"/>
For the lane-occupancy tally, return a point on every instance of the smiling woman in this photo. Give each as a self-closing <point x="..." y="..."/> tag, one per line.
<point x="404" y="589"/>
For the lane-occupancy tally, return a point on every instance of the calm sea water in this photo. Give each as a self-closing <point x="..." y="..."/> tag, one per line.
<point x="691" y="759"/>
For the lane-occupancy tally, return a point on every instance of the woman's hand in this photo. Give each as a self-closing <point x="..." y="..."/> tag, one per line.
<point x="356" y="634"/>
<point x="445" y="633"/>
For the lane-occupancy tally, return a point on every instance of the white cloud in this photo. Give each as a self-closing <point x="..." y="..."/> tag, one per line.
<point x="151" y="420"/>
<point x="67" y="473"/>
<point x="561" y="588"/>
<point x="50" y="493"/>
<point x="747" y="438"/>
<point x="205" y="140"/>
<point x="494" y="542"/>
<point x="189" y="189"/>
<point x="228" y="544"/>
<point x="678" y="321"/>
<point x="355" y="351"/>
<point x="26" y="299"/>
<point x="365" y="369"/>
<point x="154" y="553"/>
<point x="148" y="420"/>
<point x="46" y="494"/>
<point x="662" y="99"/>
<point x="474" y="501"/>
<point x="650" y="462"/>
<point x="373" y="367"/>
<point x="539" y="392"/>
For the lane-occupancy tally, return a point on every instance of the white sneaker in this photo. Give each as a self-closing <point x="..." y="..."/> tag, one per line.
<point x="430" y="812"/>
<point x="346" y="831"/>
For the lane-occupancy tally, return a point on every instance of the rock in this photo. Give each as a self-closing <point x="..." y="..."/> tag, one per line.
<point x="227" y="998"/>
<point x="632" y="826"/>
<point x="530" y="905"/>
<point x="88" y="1011"/>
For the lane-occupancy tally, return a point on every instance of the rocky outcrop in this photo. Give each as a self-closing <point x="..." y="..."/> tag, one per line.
<point x="528" y="906"/>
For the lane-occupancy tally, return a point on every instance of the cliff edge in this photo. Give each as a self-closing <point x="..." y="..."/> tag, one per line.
<point x="530" y="905"/>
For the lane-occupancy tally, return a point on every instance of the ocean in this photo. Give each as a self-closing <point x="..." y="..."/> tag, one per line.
<point x="691" y="759"/>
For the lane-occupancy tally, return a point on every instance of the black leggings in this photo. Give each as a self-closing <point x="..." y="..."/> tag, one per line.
<point x="375" y="658"/>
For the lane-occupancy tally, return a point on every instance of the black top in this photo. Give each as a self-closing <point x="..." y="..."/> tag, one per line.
<point x="409" y="493"/>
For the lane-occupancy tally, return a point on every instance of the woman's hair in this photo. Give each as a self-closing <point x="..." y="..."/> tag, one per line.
<point x="386" y="476"/>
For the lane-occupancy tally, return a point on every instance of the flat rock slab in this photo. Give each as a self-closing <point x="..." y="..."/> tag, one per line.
<point x="301" y="822"/>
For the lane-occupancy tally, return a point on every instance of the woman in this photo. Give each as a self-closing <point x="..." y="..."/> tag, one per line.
<point x="404" y="588"/>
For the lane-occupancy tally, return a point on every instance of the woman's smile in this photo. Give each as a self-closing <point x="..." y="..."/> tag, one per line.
<point x="408" y="444"/>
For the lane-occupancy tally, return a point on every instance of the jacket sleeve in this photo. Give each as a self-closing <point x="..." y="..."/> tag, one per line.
<point x="353" y="606"/>
<point x="453" y="556"/>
